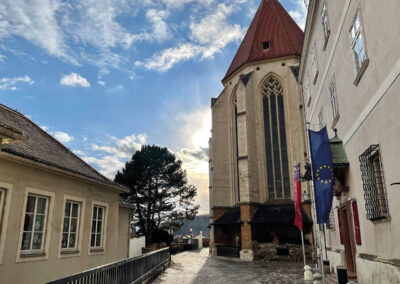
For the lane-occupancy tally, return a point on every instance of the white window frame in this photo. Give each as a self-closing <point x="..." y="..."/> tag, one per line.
<point x="7" y="190"/>
<point x="356" y="34"/>
<point x="33" y="255"/>
<point x="307" y="92"/>
<point x="102" y="248"/>
<point x="325" y="23"/>
<point x="35" y="216"/>
<point x="334" y="102"/>
<point x="314" y="63"/>
<point x="69" y="252"/>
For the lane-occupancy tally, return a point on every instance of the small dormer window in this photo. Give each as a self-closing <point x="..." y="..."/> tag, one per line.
<point x="266" y="45"/>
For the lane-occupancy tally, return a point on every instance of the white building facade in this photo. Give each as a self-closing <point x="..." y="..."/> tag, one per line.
<point x="349" y="76"/>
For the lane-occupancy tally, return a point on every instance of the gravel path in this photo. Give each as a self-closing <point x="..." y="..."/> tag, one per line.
<point x="196" y="267"/>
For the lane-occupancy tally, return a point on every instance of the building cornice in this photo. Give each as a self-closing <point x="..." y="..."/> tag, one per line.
<point x="34" y="164"/>
<point x="307" y="32"/>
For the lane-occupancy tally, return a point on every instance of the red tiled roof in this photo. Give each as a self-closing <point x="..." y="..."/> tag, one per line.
<point x="271" y="23"/>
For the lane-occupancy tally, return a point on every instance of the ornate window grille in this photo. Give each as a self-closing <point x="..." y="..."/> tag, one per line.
<point x="275" y="140"/>
<point x="373" y="184"/>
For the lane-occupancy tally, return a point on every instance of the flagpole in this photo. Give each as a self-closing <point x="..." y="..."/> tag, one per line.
<point x="326" y="253"/>
<point x="302" y="244"/>
<point x="297" y="203"/>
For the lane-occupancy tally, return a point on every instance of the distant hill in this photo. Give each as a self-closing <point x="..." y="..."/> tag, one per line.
<point x="199" y="223"/>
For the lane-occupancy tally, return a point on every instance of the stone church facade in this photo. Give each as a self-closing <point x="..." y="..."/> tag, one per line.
<point x="257" y="135"/>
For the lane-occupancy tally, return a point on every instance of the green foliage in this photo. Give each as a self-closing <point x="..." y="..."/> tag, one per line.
<point x="159" y="189"/>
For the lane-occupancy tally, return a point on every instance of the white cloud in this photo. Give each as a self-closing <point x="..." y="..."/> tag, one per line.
<point x="62" y="136"/>
<point x="166" y="59"/>
<point x="208" y="37"/>
<point x="299" y="14"/>
<point x="195" y="125"/>
<point x="180" y="3"/>
<point x="111" y="158"/>
<point x="10" y="83"/>
<point x="100" y="82"/>
<point x="109" y="165"/>
<point x="74" y="80"/>
<point x="34" y="21"/>
<point x="79" y="152"/>
<point x="161" y="31"/>
<point x="124" y="147"/>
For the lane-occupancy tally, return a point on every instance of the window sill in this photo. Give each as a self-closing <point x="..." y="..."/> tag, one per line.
<point x="32" y="254"/>
<point x="361" y="72"/>
<point x="69" y="252"/>
<point x="96" y="250"/>
<point x="382" y="219"/>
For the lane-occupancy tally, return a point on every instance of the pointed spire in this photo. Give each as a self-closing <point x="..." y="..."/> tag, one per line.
<point x="271" y="34"/>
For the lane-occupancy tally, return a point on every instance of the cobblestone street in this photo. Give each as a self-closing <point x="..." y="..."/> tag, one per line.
<point x="198" y="268"/>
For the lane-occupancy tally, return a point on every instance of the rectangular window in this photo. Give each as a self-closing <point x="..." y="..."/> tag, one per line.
<point x="71" y="222"/>
<point x="314" y="63"/>
<point x="34" y="223"/>
<point x="333" y="99"/>
<point x="357" y="43"/>
<point x="325" y="23"/>
<point x="321" y="119"/>
<point x="373" y="184"/>
<point x="2" y="197"/>
<point x="96" y="239"/>
<point x="307" y="92"/>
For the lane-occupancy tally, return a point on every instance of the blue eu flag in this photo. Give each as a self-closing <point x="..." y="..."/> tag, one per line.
<point x="321" y="159"/>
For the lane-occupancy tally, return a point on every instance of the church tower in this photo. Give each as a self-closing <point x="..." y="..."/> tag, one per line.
<point x="257" y="135"/>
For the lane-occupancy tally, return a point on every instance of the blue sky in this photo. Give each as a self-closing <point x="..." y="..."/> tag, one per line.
<point x="106" y="76"/>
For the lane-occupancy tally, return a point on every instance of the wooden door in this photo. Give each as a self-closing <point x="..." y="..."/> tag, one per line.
<point x="348" y="236"/>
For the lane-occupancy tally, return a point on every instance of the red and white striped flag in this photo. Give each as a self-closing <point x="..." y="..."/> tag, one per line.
<point x="298" y="220"/>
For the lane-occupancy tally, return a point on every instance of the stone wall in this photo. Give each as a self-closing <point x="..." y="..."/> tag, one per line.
<point x="278" y="252"/>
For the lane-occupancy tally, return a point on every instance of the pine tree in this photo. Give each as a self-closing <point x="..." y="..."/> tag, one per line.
<point x="159" y="188"/>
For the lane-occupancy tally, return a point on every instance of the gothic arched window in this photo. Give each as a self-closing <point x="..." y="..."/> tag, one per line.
<point x="275" y="140"/>
<point x="236" y="150"/>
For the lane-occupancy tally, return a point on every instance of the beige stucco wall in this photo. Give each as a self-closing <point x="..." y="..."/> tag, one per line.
<point x="368" y="115"/>
<point x="21" y="177"/>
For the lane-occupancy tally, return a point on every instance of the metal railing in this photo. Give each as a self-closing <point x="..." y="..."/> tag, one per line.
<point x="132" y="270"/>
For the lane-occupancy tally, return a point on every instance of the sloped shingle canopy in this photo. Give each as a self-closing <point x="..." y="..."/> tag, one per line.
<point x="277" y="214"/>
<point x="271" y="24"/>
<point x="39" y="146"/>
<point x="232" y="216"/>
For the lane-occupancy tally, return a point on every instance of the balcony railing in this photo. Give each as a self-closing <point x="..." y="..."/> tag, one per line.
<point x="132" y="270"/>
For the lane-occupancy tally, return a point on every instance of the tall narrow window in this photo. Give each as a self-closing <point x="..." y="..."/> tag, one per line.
<point x="96" y="240"/>
<point x="237" y="152"/>
<point x="275" y="140"/>
<point x="321" y="119"/>
<point x="314" y="63"/>
<point x="2" y="197"/>
<point x="325" y="23"/>
<point x="334" y="102"/>
<point x="307" y="92"/>
<point x="35" y="223"/>
<point x="71" y="225"/>
<point x="357" y="43"/>
<point x="373" y="184"/>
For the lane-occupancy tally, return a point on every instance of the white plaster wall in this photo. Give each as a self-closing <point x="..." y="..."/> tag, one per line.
<point x="135" y="246"/>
